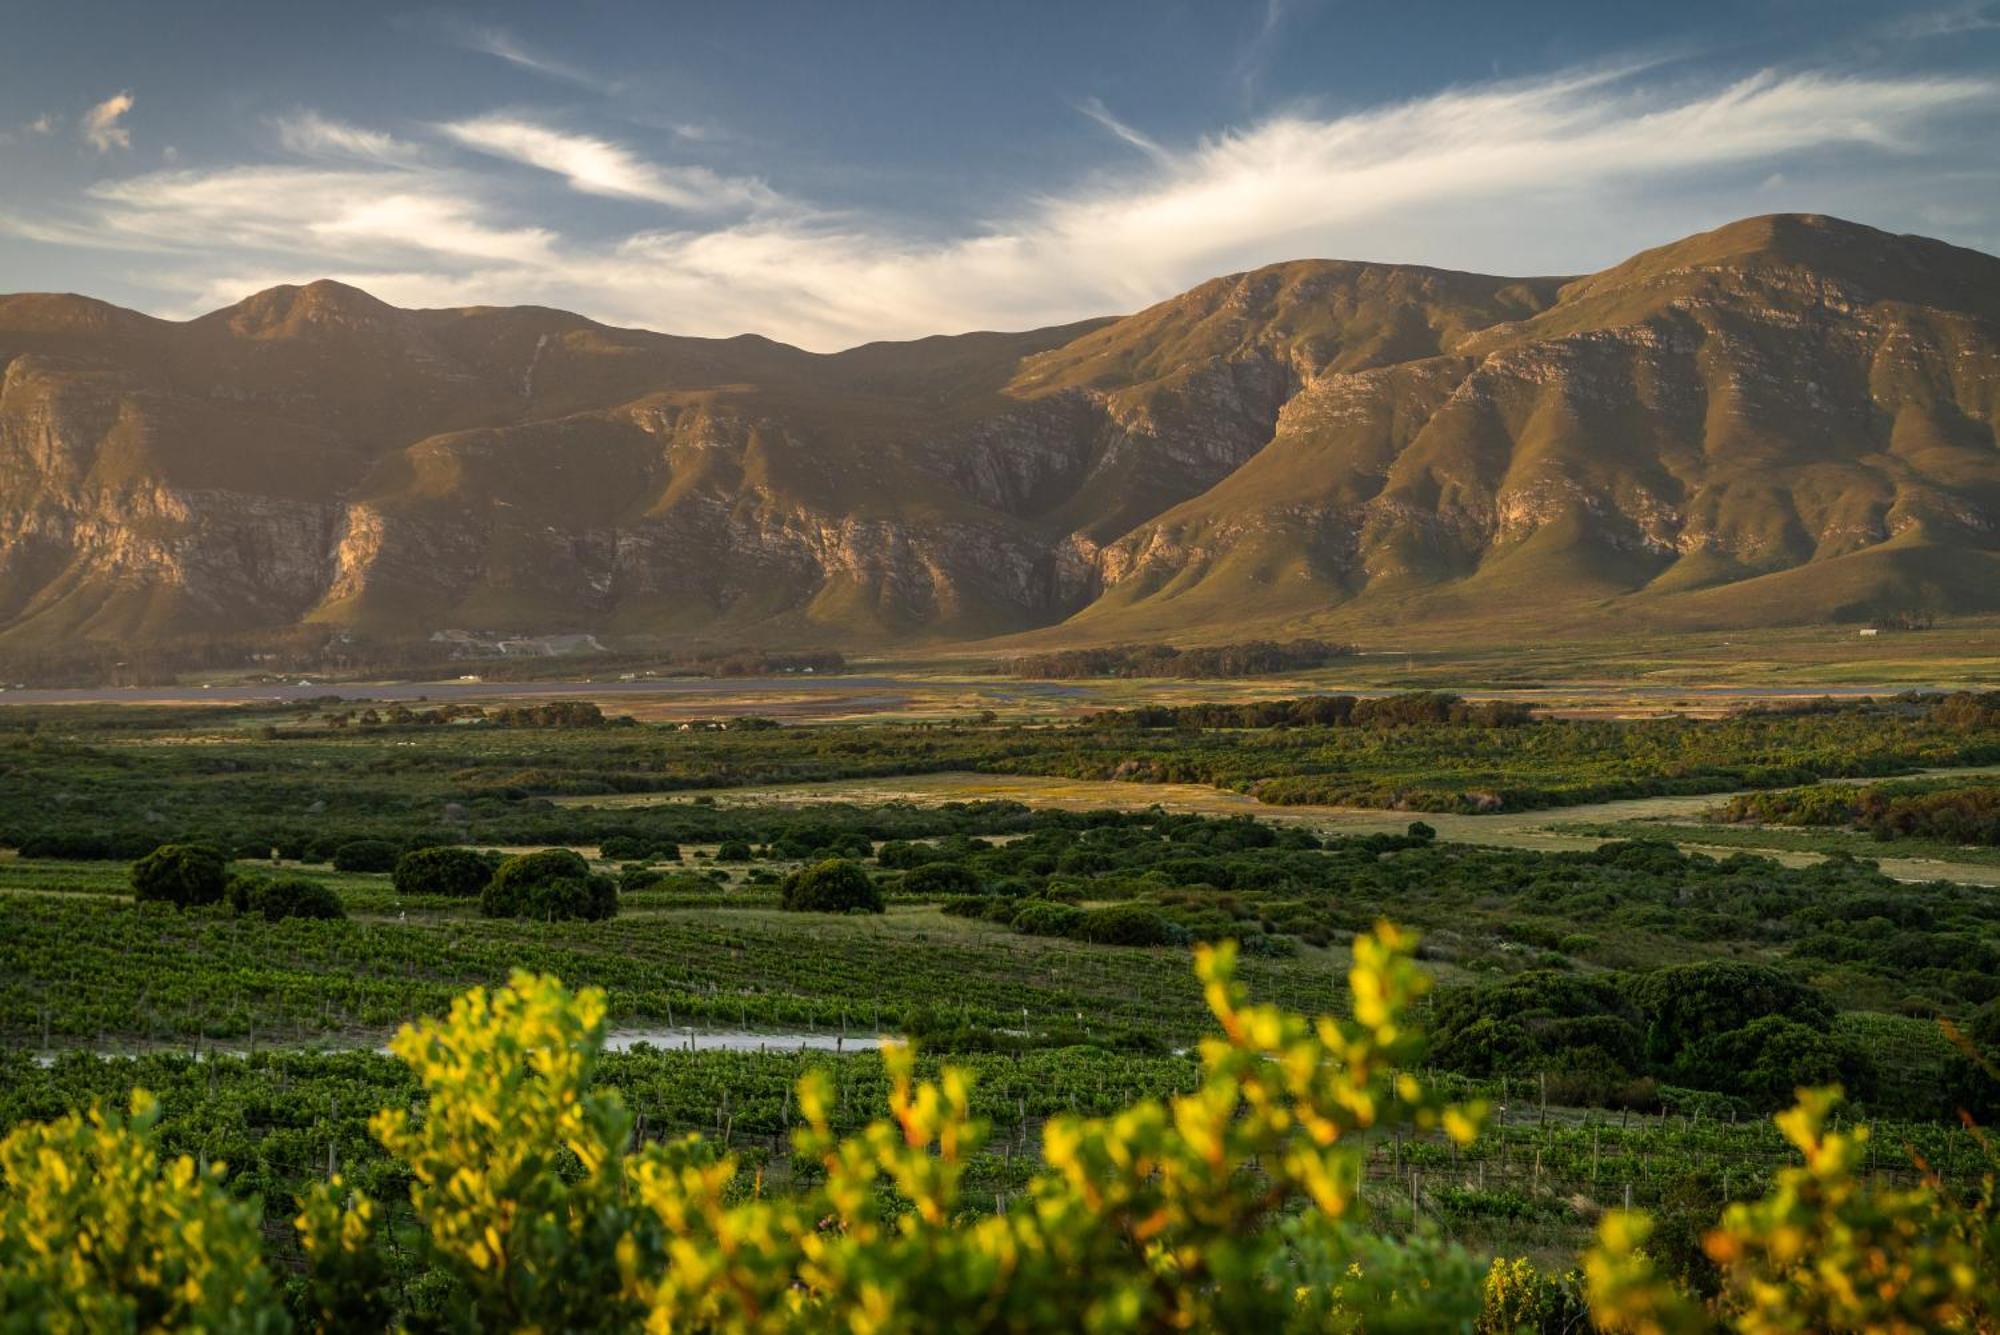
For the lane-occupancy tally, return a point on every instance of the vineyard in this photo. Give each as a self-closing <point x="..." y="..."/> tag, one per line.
<point x="1625" y="1019"/>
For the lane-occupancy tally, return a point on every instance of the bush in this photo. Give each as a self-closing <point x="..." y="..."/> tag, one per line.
<point x="241" y="890"/>
<point x="638" y="876"/>
<point x="1766" y="1061"/>
<point x="1690" y="1002"/>
<point x="287" y="897"/>
<point x="1238" y="1182"/>
<point x="1041" y="918"/>
<point x="832" y="886"/>
<point x="365" y="855"/>
<point x="942" y="879"/>
<point x="455" y="873"/>
<point x="636" y="848"/>
<point x="624" y="848"/>
<point x="734" y="850"/>
<point x="183" y="875"/>
<point x="553" y="884"/>
<point x="902" y="855"/>
<point x="1125" y="925"/>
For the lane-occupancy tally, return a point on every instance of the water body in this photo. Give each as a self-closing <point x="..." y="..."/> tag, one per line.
<point x="615" y="1040"/>
<point x="738" y="689"/>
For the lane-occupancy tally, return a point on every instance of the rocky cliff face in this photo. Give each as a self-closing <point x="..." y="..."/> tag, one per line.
<point x="1789" y="418"/>
<point x="1765" y="423"/>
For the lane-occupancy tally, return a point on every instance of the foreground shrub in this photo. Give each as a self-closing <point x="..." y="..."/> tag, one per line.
<point x="1825" y="1250"/>
<point x="832" y="886"/>
<point x="551" y="885"/>
<point x="1234" y="1206"/>
<point x="455" y="873"/>
<point x="96" y="1233"/>
<point x="184" y="875"/>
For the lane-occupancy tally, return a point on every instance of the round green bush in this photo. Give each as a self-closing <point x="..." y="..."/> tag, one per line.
<point x="551" y="885"/>
<point x="457" y="873"/>
<point x="1041" y="918"/>
<point x="365" y="855"/>
<point x="943" y="879"/>
<point x="639" y="876"/>
<point x="291" y="897"/>
<point x="832" y="886"/>
<point x="901" y="855"/>
<point x="183" y="875"/>
<point x="1124" y="925"/>
<point x="734" y="850"/>
<point x="624" y="848"/>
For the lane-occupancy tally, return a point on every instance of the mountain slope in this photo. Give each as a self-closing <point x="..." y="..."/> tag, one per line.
<point x="1791" y="418"/>
<point x="1788" y="419"/>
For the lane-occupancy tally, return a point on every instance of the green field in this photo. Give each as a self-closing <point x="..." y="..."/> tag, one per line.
<point x="1631" y="1009"/>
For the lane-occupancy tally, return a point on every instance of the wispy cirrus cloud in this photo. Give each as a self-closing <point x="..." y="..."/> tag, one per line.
<point x="1095" y="109"/>
<point x="1474" y="175"/>
<point x="312" y="135"/>
<point x="599" y="167"/>
<point x="504" y="45"/>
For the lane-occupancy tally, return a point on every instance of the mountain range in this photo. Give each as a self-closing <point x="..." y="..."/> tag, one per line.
<point x="1789" y="419"/>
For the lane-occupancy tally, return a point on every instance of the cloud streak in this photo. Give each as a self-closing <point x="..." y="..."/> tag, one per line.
<point x="503" y="45"/>
<point x="1434" y="179"/>
<point x="312" y="135"/>
<point x="600" y="167"/>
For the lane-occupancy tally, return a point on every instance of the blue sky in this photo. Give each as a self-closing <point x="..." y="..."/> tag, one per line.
<point x="830" y="173"/>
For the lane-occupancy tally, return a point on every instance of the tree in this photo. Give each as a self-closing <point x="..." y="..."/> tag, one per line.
<point x="832" y="886"/>
<point x="457" y="873"/>
<point x="551" y="884"/>
<point x="183" y="875"/>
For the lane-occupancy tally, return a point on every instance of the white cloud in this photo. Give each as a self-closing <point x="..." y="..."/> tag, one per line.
<point x="101" y="128"/>
<point x="600" y="167"/>
<point x="1548" y="175"/>
<point x="312" y="135"/>
<point x="503" y="45"/>
<point x="315" y="214"/>
<point x="45" y="123"/>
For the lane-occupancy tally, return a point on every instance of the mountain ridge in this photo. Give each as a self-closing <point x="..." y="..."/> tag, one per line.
<point x="1788" y="418"/>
